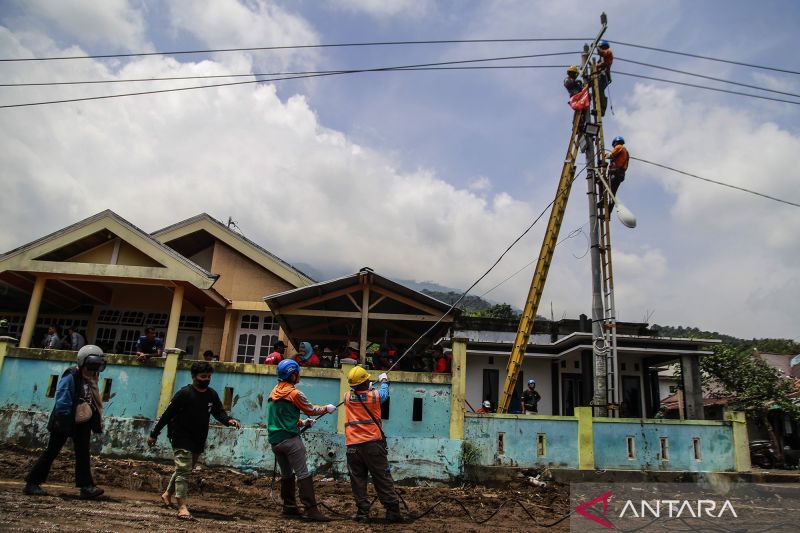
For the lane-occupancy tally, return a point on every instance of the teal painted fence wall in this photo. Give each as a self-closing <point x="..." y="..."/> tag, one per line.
<point x="714" y="443"/>
<point x="520" y="440"/>
<point x="418" y="449"/>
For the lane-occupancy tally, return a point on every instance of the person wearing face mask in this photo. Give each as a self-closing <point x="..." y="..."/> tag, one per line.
<point x="77" y="413"/>
<point x="186" y="418"/>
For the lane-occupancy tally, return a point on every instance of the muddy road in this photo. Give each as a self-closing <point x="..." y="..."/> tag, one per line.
<point x="223" y="499"/>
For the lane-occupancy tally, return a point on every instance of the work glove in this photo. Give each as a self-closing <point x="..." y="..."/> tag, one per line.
<point x="330" y="408"/>
<point x="383" y="378"/>
<point x="309" y="422"/>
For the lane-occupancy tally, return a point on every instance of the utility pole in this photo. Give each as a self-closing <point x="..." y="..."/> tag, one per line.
<point x="600" y="396"/>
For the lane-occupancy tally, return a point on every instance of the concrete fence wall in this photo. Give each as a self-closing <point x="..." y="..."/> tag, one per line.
<point x="428" y="432"/>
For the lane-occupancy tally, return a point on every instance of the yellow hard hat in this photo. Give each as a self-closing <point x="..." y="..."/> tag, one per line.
<point x="357" y="376"/>
<point x="573" y="68"/>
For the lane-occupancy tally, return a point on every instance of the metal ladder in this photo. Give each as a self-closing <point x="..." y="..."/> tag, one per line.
<point x="607" y="271"/>
<point x="542" y="266"/>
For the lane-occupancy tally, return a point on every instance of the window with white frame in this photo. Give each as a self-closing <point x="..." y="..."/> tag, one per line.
<point x="105" y="338"/>
<point x="156" y="320"/>
<point x="127" y="340"/>
<point x="132" y="318"/>
<point x="257" y="333"/>
<point x="108" y="316"/>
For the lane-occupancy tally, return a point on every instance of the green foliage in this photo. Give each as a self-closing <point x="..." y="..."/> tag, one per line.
<point x="500" y="311"/>
<point x="780" y="346"/>
<point x="752" y="385"/>
<point x="470" y="453"/>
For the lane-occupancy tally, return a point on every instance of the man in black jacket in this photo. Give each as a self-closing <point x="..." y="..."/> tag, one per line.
<point x="186" y="418"/>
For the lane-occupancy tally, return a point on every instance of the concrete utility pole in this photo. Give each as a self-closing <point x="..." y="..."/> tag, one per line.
<point x="600" y="397"/>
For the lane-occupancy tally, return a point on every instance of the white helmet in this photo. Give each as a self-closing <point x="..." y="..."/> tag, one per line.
<point x="92" y="357"/>
<point x="487" y="404"/>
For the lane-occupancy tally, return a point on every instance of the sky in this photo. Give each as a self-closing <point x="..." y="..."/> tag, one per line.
<point x="422" y="175"/>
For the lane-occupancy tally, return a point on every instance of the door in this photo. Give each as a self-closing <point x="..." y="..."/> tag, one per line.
<point x="571" y="393"/>
<point x="491" y="386"/>
<point x="515" y="406"/>
<point x="631" y="397"/>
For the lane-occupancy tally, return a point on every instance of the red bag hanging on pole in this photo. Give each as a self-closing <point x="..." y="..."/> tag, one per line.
<point x="580" y="101"/>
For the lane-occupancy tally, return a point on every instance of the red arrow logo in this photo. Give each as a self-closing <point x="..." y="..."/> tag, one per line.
<point x="582" y="509"/>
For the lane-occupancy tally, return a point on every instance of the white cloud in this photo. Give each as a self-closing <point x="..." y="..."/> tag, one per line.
<point x="481" y="183"/>
<point x="388" y="8"/>
<point x="238" y="24"/>
<point x="115" y="24"/>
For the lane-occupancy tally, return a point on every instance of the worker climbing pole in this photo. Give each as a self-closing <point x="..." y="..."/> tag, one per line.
<point x="586" y="136"/>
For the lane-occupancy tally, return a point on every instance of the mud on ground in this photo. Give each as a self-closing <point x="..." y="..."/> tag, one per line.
<point x="229" y="500"/>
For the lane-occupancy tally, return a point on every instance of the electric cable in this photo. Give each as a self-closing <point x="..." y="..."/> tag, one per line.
<point x="296" y="47"/>
<point x="396" y="43"/>
<point x="293" y="77"/>
<point x="423" y="66"/>
<point x="717" y="182"/>
<point x="464" y="294"/>
<point x="698" y="56"/>
<point x="723" y="80"/>
<point x="706" y="87"/>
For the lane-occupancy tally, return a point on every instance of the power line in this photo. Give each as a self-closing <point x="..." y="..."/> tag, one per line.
<point x="296" y="47"/>
<point x="706" y="87"/>
<point x="697" y="56"/>
<point x="706" y="77"/>
<point x="716" y="182"/>
<point x="293" y="77"/>
<point x="299" y="73"/>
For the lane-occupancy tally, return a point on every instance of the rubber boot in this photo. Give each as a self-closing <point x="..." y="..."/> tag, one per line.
<point x="288" y="497"/>
<point x="393" y="514"/>
<point x="310" y="501"/>
<point x="362" y="514"/>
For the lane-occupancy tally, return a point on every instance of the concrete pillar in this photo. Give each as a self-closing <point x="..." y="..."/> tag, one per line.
<point x="344" y="390"/>
<point x="225" y="344"/>
<point x="741" y="442"/>
<point x="458" y="387"/>
<point x="362" y="356"/>
<point x="585" y="438"/>
<point x="33" y="312"/>
<point x="692" y="387"/>
<point x="5" y="344"/>
<point x="168" y="378"/>
<point x="174" y="317"/>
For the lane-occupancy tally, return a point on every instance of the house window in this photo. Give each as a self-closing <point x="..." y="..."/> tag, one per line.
<point x="267" y="342"/>
<point x="257" y="334"/>
<point x="132" y="318"/>
<point x="108" y="316"/>
<point x="127" y="340"/>
<point x="246" y="348"/>
<point x="105" y="338"/>
<point x="156" y="320"/>
<point x="249" y="322"/>
<point x="190" y="322"/>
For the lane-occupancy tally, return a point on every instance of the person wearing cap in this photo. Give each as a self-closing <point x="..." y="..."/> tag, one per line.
<point x="530" y="399"/>
<point x="276" y="356"/>
<point x="367" y="454"/>
<point x="571" y="83"/>
<point x="77" y="414"/>
<point x="485" y="408"/>
<point x="306" y="355"/>
<point x="286" y="402"/>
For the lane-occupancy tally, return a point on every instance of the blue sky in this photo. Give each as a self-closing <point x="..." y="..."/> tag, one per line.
<point x="422" y="175"/>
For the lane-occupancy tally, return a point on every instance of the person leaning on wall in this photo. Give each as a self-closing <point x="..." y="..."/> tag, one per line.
<point x="78" y="412"/>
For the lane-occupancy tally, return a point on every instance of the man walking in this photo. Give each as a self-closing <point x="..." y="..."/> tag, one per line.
<point x="530" y="399"/>
<point x="366" y="445"/>
<point x="186" y="418"/>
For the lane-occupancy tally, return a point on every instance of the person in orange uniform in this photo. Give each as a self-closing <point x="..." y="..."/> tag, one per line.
<point x="366" y="445"/>
<point x="618" y="164"/>
<point x="485" y="408"/>
<point x="604" y="71"/>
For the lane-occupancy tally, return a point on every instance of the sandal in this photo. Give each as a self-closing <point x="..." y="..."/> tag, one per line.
<point x="187" y="517"/>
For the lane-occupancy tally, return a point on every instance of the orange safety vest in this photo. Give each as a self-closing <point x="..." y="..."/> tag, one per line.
<point x="359" y="427"/>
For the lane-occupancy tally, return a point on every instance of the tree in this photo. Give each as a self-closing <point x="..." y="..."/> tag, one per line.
<point x="750" y="385"/>
<point x="500" y="311"/>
